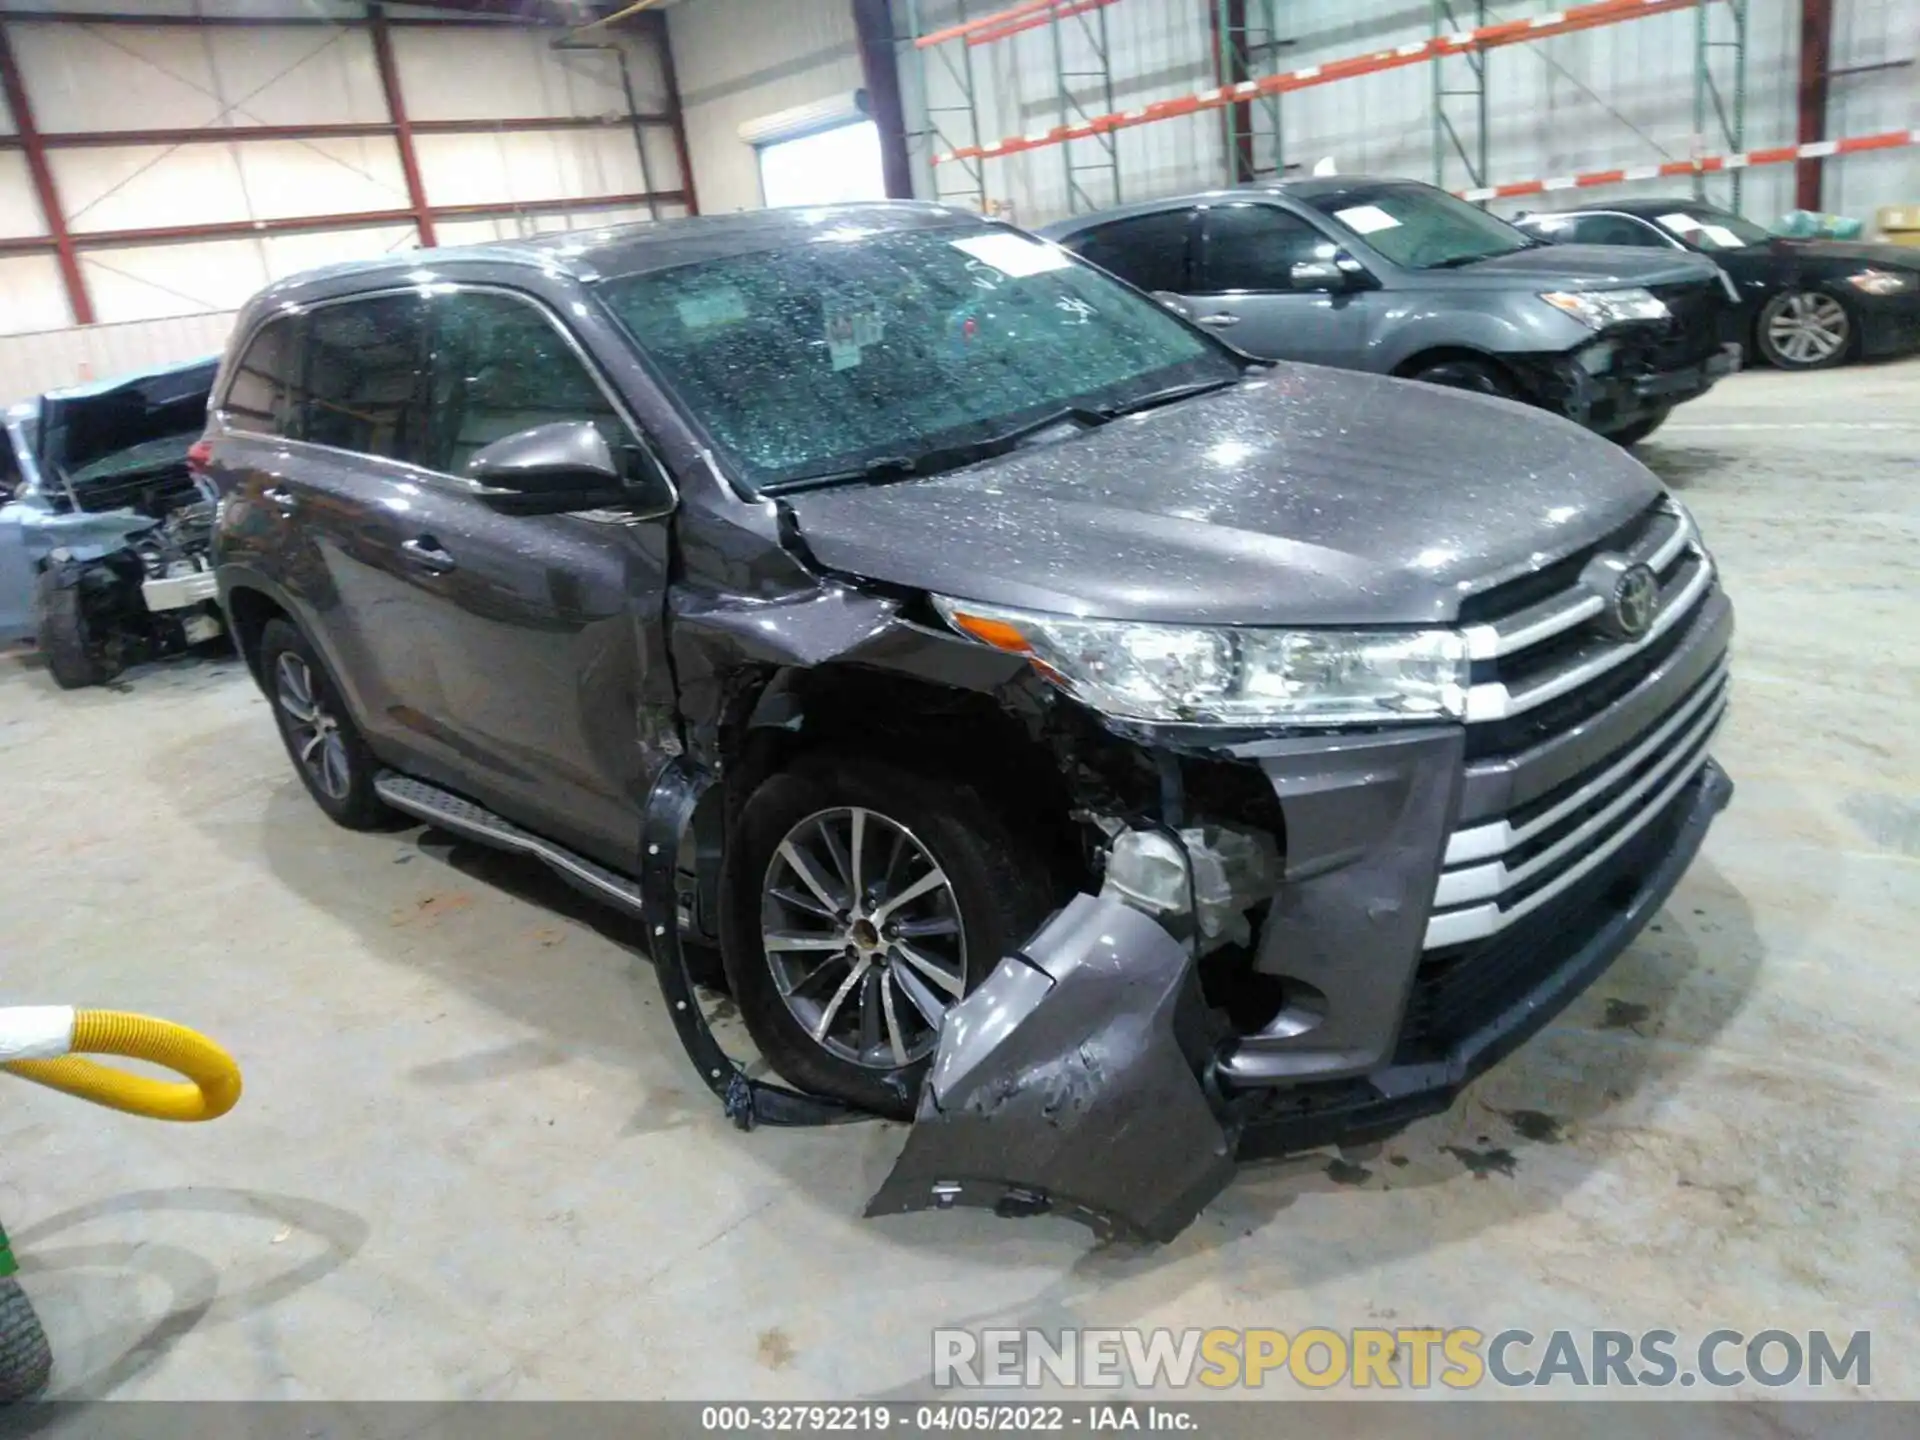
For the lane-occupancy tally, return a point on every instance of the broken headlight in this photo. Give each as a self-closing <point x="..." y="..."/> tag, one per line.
<point x="1232" y="676"/>
<point x="1601" y="308"/>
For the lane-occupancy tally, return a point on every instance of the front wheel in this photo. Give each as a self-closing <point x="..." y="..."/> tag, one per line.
<point x="1805" y="330"/>
<point x="1640" y="429"/>
<point x="1463" y="374"/>
<point x="332" y="760"/>
<point x="76" y="657"/>
<point x="860" y="902"/>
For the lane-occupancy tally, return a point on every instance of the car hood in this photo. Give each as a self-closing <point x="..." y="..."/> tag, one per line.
<point x="1581" y="267"/>
<point x="1301" y="496"/>
<point x="87" y="423"/>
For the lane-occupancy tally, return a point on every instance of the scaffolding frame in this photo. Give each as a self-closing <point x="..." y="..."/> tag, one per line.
<point x="967" y="182"/>
<point x="1248" y="44"/>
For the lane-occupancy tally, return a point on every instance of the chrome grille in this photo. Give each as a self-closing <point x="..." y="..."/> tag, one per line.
<point x="1541" y="668"/>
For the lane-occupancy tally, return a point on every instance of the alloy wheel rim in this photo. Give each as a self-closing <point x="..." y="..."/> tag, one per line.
<point x="314" y="730"/>
<point x="862" y="933"/>
<point x="1808" y="327"/>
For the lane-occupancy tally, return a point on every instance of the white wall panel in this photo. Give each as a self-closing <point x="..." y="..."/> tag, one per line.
<point x="478" y="74"/>
<point x="149" y="282"/>
<point x="129" y="77"/>
<point x="32" y="364"/>
<point x="19" y="204"/>
<point x="1874" y="32"/>
<point x="30" y="295"/>
<point x="532" y="165"/>
<point x="287" y="9"/>
<point x="525" y="227"/>
<point x="741" y="60"/>
<point x="283" y="255"/>
<point x="134" y="187"/>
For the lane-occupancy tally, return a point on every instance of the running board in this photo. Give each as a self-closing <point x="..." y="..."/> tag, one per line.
<point x="463" y="817"/>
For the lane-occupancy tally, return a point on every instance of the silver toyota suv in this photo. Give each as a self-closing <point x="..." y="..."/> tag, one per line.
<point x="1403" y="279"/>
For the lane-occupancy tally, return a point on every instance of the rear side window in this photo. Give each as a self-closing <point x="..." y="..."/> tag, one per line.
<point x="263" y="394"/>
<point x="1613" y="230"/>
<point x="500" y="367"/>
<point x="366" y="385"/>
<point x="1255" y="247"/>
<point x="1149" y="251"/>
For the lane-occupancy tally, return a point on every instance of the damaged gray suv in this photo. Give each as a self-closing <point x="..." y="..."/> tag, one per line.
<point x="1120" y="755"/>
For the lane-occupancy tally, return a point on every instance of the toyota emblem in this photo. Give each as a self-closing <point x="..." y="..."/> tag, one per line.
<point x="1629" y="594"/>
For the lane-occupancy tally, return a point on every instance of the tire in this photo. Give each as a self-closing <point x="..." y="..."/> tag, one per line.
<point x="26" y="1360"/>
<point x="1640" y="429"/>
<point x="328" y="753"/>
<point x="74" y="659"/>
<point x="1476" y="375"/>
<point x="996" y="890"/>
<point x="1805" y="330"/>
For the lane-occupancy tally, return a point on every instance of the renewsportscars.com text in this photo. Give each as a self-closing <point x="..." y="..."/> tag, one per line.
<point x="1461" y="1358"/>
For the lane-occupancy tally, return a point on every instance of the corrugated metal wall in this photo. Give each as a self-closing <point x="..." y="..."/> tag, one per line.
<point x="742" y="60"/>
<point x="1619" y="95"/>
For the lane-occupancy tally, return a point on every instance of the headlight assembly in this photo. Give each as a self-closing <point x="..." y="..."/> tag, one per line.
<point x="1881" y="282"/>
<point x="1601" y="308"/>
<point x="1232" y="676"/>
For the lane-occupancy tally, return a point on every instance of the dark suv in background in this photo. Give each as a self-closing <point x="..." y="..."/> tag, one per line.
<point x="1116" y="752"/>
<point x="1404" y="279"/>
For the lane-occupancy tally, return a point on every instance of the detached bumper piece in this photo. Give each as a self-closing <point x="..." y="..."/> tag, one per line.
<point x="1070" y="1083"/>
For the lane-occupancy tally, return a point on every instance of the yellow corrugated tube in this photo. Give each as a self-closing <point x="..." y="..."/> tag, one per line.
<point x="44" y="1043"/>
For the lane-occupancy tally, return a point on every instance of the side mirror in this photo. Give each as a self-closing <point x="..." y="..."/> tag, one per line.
<point x="551" y="469"/>
<point x="1324" y="274"/>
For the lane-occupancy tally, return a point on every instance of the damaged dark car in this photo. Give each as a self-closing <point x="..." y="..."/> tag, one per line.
<point x="1117" y="754"/>
<point x="106" y="535"/>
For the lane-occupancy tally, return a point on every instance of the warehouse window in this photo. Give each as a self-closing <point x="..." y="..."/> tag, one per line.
<point x="827" y="167"/>
<point x="365" y="377"/>
<point x="500" y="367"/>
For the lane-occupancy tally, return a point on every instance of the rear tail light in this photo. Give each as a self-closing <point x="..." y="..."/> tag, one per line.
<point x="199" y="456"/>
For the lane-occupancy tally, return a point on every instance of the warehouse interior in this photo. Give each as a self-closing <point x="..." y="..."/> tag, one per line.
<point x="473" y="1159"/>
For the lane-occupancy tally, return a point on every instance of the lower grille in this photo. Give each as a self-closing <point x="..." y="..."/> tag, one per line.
<point x="1695" y="332"/>
<point x="1460" y="988"/>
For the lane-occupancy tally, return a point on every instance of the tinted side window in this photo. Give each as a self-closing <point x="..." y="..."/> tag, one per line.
<point x="1149" y="250"/>
<point x="263" y="394"/>
<point x="366" y="377"/>
<point x="1612" y="230"/>
<point x="1254" y="247"/>
<point x="500" y="367"/>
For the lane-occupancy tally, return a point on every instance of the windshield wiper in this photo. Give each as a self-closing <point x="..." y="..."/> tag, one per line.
<point x="944" y="457"/>
<point x="1166" y="397"/>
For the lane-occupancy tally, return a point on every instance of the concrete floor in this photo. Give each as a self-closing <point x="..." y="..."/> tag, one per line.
<point x="473" y="1162"/>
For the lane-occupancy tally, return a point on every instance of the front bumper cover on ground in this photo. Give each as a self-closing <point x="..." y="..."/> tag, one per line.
<point x="1078" y="1079"/>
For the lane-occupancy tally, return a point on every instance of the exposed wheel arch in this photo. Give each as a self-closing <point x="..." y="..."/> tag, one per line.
<point x="250" y="611"/>
<point x="1440" y="355"/>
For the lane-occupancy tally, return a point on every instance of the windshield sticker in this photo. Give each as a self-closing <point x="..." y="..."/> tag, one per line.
<point x="1015" y="256"/>
<point x="1680" y="222"/>
<point x="1720" y="235"/>
<point x="721" y="306"/>
<point x="1365" y="219"/>
<point x="851" y="326"/>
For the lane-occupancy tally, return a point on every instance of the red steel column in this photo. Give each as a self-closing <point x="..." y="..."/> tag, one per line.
<point x="77" y="298"/>
<point x="402" y="130"/>
<point x="1816" y="47"/>
<point x="654" y="23"/>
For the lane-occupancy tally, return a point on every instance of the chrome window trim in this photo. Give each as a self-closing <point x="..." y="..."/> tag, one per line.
<point x="456" y="484"/>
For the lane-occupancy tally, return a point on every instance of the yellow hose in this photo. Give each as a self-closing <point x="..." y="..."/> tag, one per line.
<point x="212" y="1086"/>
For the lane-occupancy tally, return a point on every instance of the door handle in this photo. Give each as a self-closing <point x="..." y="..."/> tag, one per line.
<point x="1220" y="321"/>
<point x="281" y="498"/>
<point x="424" y="552"/>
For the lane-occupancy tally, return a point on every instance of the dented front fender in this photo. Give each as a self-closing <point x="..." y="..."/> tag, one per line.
<point x="1071" y="1082"/>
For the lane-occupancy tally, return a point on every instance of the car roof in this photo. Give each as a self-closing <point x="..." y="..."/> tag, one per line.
<point x="1305" y="187"/>
<point x="599" y="253"/>
<point x="1648" y="207"/>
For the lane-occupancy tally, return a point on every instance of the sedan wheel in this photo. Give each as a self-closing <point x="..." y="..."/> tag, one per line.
<point x="863" y="934"/>
<point x="1804" y="330"/>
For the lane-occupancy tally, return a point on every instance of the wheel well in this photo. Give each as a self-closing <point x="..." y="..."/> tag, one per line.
<point x="937" y="730"/>
<point x="1439" y="354"/>
<point x="251" y="610"/>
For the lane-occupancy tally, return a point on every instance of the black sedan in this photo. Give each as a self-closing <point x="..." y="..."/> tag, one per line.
<point x="1804" y="304"/>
